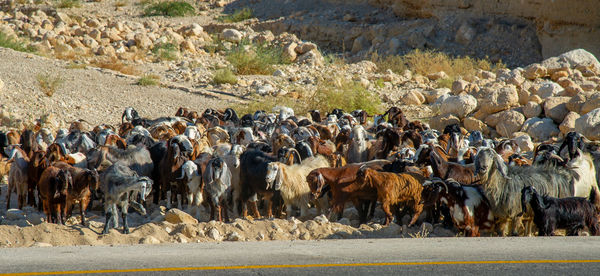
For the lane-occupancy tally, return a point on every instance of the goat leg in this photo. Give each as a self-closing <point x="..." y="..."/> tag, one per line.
<point x="125" y="225"/>
<point x="388" y="214"/>
<point x="418" y="210"/>
<point x="109" y="216"/>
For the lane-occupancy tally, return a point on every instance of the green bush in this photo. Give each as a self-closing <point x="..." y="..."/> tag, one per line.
<point x="170" y="8"/>
<point x="258" y="59"/>
<point x="347" y="95"/>
<point x="14" y="43"/>
<point x="236" y="16"/>
<point x="166" y="51"/>
<point x="148" y="80"/>
<point x="224" y="76"/>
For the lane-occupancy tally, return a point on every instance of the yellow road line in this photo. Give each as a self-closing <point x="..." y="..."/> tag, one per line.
<point x="159" y="269"/>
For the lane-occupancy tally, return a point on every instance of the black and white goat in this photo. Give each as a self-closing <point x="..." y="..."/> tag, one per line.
<point x="217" y="185"/>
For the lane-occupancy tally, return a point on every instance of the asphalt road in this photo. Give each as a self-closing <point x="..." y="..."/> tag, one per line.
<point x="444" y="256"/>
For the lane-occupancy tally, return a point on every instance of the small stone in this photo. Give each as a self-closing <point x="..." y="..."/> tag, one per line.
<point x="321" y="219"/>
<point x="41" y="244"/>
<point x="344" y="221"/>
<point x="234" y="236"/>
<point x="214" y="234"/>
<point x="176" y="216"/>
<point x="149" y="240"/>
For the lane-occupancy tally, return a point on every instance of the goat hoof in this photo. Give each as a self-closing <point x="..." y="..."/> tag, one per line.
<point x="126" y="231"/>
<point x="105" y="232"/>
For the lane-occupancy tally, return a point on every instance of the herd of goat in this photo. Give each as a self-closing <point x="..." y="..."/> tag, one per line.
<point x="271" y="160"/>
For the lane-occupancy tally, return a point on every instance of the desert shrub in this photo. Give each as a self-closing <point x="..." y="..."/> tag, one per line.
<point x="148" y="80"/>
<point x="67" y="4"/>
<point x="254" y="59"/>
<point x="16" y="44"/>
<point x="236" y="16"/>
<point x="116" y="65"/>
<point x="329" y="94"/>
<point x="166" y="51"/>
<point x="49" y="84"/>
<point x="170" y="8"/>
<point x="429" y="62"/>
<point x="224" y="76"/>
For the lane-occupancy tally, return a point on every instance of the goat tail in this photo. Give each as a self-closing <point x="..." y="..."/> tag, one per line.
<point x="594" y="198"/>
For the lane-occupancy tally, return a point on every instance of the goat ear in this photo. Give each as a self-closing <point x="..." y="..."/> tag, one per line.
<point x="502" y="168"/>
<point x="278" y="179"/>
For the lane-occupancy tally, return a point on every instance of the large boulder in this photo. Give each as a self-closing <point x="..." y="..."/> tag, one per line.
<point x="500" y="99"/>
<point x="413" y="97"/>
<point x="540" y="129"/>
<point x="556" y="108"/>
<point x="568" y="124"/>
<point x="580" y="57"/>
<point x="535" y="71"/>
<point x="524" y="142"/>
<point x="549" y="89"/>
<point x="555" y="64"/>
<point x="576" y="102"/>
<point x="591" y="103"/>
<point x="232" y="35"/>
<point x="532" y="109"/>
<point x="459" y="106"/>
<point x="589" y="124"/>
<point x="432" y="95"/>
<point x="441" y="121"/>
<point x="511" y="122"/>
<point x="472" y="124"/>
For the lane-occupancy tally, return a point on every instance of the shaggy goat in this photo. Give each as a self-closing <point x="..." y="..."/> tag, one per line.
<point x="17" y="175"/>
<point x="572" y="213"/>
<point x="54" y="188"/>
<point x="191" y="175"/>
<point x="393" y="189"/>
<point x="121" y="186"/>
<point x="502" y="185"/>
<point x="291" y="182"/>
<point x="217" y="185"/>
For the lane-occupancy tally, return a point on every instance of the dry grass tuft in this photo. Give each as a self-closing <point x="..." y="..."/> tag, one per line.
<point x="224" y="76"/>
<point x="430" y="62"/>
<point x="49" y="84"/>
<point x="116" y="65"/>
<point x="149" y="80"/>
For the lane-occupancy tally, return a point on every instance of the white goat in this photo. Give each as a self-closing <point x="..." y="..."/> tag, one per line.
<point x="291" y="182"/>
<point x="357" y="151"/>
<point x="232" y="159"/>
<point x="217" y="184"/>
<point x="193" y="179"/>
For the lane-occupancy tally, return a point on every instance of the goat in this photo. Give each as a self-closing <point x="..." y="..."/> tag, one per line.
<point x="217" y="185"/>
<point x="342" y="184"/>
<point x="137" y="158"/>
<point x="53" y="188"/>
<point x="502" y="185"/>
<point x="393" y="189"/>
<point x="170" y="185"/>
<point x="357" y="151"/>
<point x="444" y="169"/>
<point x="469" y="208"/>
<point x="253" y="170"/>
<point x="129" y="115"/>
<point x="119" y="184"/>
<point x="17" y="175"/>
<point x="85" y="184"/>
<point x="291" y="182"/>
<point x="36" y="166"/>
<point x="192" y="176"/>
<point x="572" y="213"/>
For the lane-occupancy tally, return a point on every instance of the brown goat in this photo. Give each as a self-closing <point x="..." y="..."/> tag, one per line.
<point x="444" y="169"/>
<point x="37" y="164"/>
<point x="55" y="153"/>
<point x="85" y="183"/>
<point x="125" y="128"/>
<point x="393" y="189"/>
<point x="179" y="127"/>
<point x="54" y="187"/>
<point x="344" y="188"/>
<point x="115" y="141"/>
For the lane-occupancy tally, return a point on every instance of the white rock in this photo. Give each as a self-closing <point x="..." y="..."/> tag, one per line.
<point x="580" y="57"/>
<point x="589" y="124"/>
<point x="149" y="240"/>
<point x="540" y="129"/>
<point x="234" y="236"/>
<point x="524" y="142"/>
<point x="321" y="219"/>
<point x="459" y="106"/>
<point x="41" y="244"/>
<point x="232" y="35"/>
<point x="549" y="89"/>
<point x="214" y="234"/>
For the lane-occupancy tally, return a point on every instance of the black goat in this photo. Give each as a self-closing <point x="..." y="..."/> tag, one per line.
<point x="572" y="213"/>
